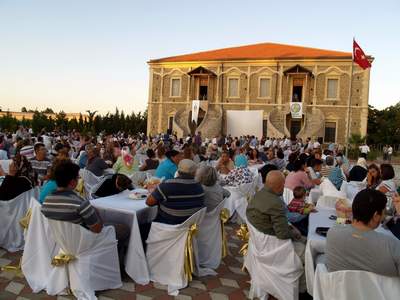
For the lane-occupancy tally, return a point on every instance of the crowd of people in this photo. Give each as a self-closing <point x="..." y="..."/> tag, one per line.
<point x="195" y="170"/>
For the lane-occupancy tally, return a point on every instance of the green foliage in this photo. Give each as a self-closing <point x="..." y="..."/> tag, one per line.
<point x="8" y="122"/>
<point x="110" y="123"/>
<point x="384" y="125"/>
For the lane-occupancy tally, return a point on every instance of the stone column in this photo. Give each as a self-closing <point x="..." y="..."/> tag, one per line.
<point x="248" y="89"/>
<point x="160" y="105"/>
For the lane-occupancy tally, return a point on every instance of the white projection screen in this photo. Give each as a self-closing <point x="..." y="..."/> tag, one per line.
<point x="244" y="122"/>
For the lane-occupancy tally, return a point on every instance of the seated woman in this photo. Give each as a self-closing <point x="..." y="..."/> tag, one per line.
<point x="151" y="162"/>
<point x="127" y="163"/>
<point x="20" y="178"/>
<point x="299" y="177"/>
<point x="253" y="156"/>
<point x="373" y="176"/>
<point x="113" y="184"/>
<point x="213" y="192"/>
<point x="225" y="164"/>
<point x="387" y="185"/>
<point x="241" y="174"/>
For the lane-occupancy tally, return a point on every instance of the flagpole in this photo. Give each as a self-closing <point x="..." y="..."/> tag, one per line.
<point x="349" y="102"/>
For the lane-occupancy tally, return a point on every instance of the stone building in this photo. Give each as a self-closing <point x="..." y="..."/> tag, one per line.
<point x="268" y="77"/>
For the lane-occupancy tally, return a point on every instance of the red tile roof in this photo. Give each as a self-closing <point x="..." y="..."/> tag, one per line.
<point x="256" y="52"/>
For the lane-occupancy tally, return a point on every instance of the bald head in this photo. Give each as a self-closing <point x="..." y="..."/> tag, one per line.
<point x="275" y="181"/>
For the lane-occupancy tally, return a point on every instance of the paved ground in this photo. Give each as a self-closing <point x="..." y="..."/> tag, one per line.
<point x="231" y="282"/>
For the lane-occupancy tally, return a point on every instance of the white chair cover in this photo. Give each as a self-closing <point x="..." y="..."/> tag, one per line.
<point x="287" y="195"/>
<point x="5" y="164"/>
<point x="95" y="188"/>
<point x="11" y="211"/>
<point x="89" y="181"/>
<point x="354" y="285"/>
<point x="328" y="189"/>
<point x="209" y="239"/>
<point x="273" y="265"/>
<point x="350" y="189"/>
<point x="96" y="265"/>
<point x="40" y="248"/>
<point x="166" y="251"/>
<point x="326" y="202"/>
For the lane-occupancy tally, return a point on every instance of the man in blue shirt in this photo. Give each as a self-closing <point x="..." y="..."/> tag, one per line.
<point x="168" y="167"/>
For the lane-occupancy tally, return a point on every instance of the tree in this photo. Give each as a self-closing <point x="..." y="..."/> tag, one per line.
<point x="24" y="110"/>
<point x="48" y="111"/>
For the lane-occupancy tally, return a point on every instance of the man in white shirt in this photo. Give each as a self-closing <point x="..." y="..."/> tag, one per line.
<point x="389" y="153"/>
<point x="364" y="149"/>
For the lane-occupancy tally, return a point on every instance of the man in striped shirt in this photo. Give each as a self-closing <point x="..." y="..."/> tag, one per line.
<point x="65" y="205"/>
<point x="40" y="163"/>
<point x="178" y="198"/>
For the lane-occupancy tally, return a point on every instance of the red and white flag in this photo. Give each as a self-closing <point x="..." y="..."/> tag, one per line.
<point x="359" y="56"/>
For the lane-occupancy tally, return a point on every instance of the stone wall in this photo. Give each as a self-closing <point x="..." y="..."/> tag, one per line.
<point x="249" y="74"/>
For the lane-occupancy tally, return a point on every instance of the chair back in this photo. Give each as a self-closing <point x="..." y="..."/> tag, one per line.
<point x="209" y="238"/>
<point x="166" y="246"/>
<point x="5" y="164"/>
<point x="11" y="211"/>
<point x="287" y="195"/>
<point x="89" y="181"/>
<point x="40" y="248"/>
<point x="274" y="266"/>
<point x="94" y="260"/>
<point x="326" y="202"/>
<point x="353" y="285"/>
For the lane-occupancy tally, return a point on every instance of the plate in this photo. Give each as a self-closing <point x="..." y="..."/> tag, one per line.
<point x="138" y="195"/>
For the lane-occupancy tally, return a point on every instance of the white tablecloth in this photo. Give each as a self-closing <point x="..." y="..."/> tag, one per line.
<point x="316" y="243"/>
<point x="121" y="209"/>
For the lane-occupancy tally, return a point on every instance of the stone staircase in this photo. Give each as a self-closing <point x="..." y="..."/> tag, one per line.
<point x="314" y="124"/>
<point x="210" y="126"/>
<point x="277" y="123"/>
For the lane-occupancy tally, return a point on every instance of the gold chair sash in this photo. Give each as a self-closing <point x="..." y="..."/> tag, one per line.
<point x="224" y="216"/>
<point x="80" y="187"/>
<point x="62" y="259"/>
<point x="24" y="221"/>
<point x="189" y="255"/>
<point x="243" y="234"/>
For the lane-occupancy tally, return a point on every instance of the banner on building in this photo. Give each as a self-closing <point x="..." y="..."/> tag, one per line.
<point x="195" y="110"/>
<point x="296" y="110"/>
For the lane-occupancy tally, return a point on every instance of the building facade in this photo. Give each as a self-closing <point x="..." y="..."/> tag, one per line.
<point x="268" y="77"/>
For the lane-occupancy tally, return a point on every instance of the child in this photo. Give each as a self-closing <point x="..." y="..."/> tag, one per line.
<point x="299" y="210"/>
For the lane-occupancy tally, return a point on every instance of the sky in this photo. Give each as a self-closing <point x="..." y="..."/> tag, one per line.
<point x="78" y="55"/>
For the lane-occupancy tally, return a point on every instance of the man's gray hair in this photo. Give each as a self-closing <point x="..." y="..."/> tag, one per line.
<point x="187" y="166"/>
<point x="207" y="175"/>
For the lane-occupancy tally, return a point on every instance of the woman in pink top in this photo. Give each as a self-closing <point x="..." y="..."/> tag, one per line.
<point x="299" y="177"/>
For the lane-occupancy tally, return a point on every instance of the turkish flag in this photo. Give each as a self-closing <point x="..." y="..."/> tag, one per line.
<point x="359" y="56"/>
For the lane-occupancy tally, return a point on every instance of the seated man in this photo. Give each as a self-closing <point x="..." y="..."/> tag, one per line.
<point x="178" y="199"/>
<point x="40" y="163"/>
<point x="65" y="205"/>
<point x="358" y="246"/>
<point x="267" y="213"/>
